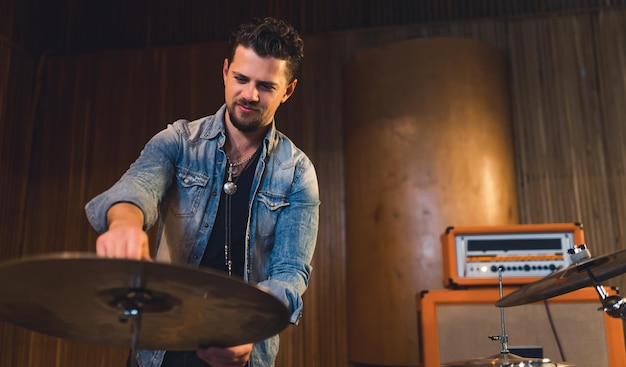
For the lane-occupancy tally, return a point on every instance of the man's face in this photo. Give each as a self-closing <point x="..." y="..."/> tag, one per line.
<point x="254" y="88"/>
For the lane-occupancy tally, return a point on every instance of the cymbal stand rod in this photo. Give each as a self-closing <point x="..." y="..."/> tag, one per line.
<point x="136" y="326"/>
<point x="601" y="292"/>
<point x="504" y="339"/>
<point x="137" y="297"/>
<point x="131" y="305"/>
<point x="134" y="314"/>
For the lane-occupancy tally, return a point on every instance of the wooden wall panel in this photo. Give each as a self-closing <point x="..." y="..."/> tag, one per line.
<point x="19" y="93"/>
<point x="568" y="80"/>
<point x="610" y="41"/>
<point x="17" y="70"/>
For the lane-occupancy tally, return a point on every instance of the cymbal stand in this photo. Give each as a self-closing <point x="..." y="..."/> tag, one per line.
<point x="131" y="307"/>
<point x="131" y="302"/>
<point x="503" y="338"/>
<point x="614" y="306"/>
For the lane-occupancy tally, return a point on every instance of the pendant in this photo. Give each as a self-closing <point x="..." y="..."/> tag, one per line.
<point x="230" y="188"/>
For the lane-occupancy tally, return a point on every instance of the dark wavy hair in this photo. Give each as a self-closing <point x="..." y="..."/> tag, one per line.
<point x="271" y="37"/>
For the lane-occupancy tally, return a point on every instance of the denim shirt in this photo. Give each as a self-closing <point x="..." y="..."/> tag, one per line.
<point x="177" y="180"/>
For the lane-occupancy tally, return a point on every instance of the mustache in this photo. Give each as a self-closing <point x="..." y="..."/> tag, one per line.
<point x="247" y="104"/>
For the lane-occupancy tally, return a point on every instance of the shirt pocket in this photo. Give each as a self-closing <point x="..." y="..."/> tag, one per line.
<point x="187" y="193"/>
<point x="269" y="208"/>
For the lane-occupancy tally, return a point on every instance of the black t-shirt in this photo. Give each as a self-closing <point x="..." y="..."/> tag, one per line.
<point x="232" y="216"/>
<point x="235" y="209"/>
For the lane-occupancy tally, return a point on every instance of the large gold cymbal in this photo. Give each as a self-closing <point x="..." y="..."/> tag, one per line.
<point x="82" y="297"/>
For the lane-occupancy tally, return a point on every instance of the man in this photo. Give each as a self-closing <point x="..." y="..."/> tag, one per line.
<point x="229" y="191"/>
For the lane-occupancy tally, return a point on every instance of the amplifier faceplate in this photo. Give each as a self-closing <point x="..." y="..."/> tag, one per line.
<point x="526" y="252"/>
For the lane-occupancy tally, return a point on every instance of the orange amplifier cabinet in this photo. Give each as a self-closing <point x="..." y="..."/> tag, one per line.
<point x="525" y="252"/>
<point x="455" y="325"/>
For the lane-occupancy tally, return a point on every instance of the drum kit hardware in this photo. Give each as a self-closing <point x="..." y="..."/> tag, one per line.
<point x="137" y="304"/>
<point x="584" y="271"/>
<point x="86" y="298"/>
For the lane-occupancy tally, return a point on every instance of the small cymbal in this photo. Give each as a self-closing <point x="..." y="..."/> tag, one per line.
<point x="83" y="297"/>
<point x="505" y="360"/>
<point x="575" y="276"/>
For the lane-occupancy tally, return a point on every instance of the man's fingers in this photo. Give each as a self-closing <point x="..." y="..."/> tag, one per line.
<point x="226" y="357"/>
<point x="125" y="243"/>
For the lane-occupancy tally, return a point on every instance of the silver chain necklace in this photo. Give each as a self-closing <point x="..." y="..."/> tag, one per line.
<point x="230" y="187"/>
<point x="227" y="234"/>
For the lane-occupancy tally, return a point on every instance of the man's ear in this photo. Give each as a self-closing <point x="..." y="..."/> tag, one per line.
<point x="289" y="91"/>
<point x="225" y="70"/>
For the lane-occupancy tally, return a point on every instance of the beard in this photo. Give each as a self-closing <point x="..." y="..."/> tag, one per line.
<point x="241" y="125"/>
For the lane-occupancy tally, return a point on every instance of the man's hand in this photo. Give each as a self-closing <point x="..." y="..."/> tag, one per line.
<point x="125" y="237"/>
<point x="226" y="357"/>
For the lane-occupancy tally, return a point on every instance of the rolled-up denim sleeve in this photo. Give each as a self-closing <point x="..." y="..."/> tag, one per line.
<point x="295" y="239"/>
<point x="144" y="184"/>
